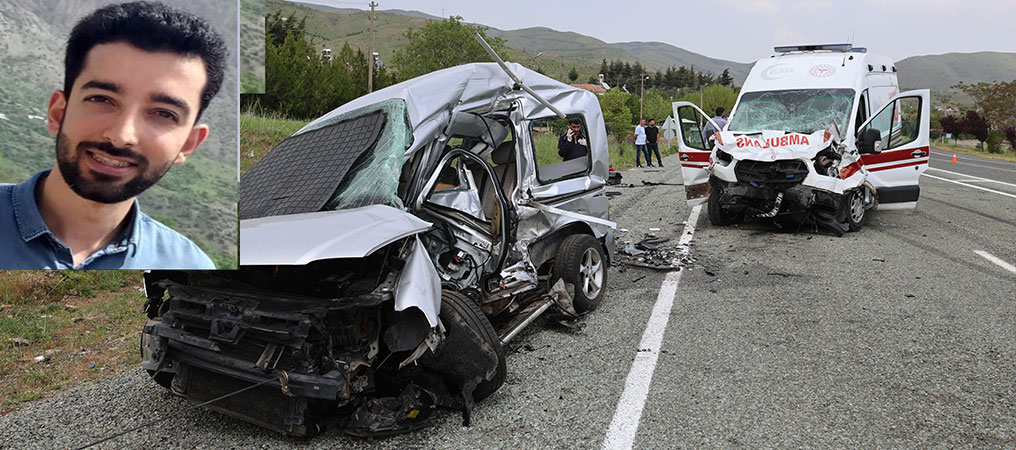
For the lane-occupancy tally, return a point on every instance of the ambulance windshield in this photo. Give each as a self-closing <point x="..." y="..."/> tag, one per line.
<point x="800" y="110"/>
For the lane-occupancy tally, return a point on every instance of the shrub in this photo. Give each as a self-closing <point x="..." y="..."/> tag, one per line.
<point x="994" y="141"/>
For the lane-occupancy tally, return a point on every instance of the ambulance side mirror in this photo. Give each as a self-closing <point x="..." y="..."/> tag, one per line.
<point x="869" y="141"/>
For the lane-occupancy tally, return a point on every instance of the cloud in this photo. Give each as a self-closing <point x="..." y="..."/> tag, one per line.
<point x="816" y="5"/>
<point x="784" y="35"/>
<point x="946" y="9"/>
<point x="753" y="6"/>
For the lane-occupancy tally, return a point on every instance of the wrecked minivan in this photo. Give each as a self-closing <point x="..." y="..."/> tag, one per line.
<point x="819" y="134"/>
<point x="388" y="250"/>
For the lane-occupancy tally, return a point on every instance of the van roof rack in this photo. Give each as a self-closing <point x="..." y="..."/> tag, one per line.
<point x="828" y="47"/>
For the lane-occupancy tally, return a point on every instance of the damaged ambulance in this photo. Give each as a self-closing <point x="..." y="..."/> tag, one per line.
<point x="819" y="134"/>
<point x="388" y="250"/>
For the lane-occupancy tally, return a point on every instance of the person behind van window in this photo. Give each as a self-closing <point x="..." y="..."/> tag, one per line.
<point x="652" y="135"/>
<point x="640" y="144"/>
<point x="573" y="144"/>
<point x="137" y="78"/>
<point x="709" y="129"/>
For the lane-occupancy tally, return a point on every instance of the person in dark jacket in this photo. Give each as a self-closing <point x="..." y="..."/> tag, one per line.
<point x="652" y="135"/>
<point x="573" y="144"/>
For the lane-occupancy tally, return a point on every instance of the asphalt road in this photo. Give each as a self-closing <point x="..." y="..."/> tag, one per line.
<point x="1003" y="171"/>
<point x="899" y="335"/>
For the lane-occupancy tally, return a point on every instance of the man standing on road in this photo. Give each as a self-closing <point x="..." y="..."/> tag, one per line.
<point x="640" y="143"/>
<point x="652" y="134"/>
<point x="137" y="78"/>
<point x="573" y="144"/>
<point x="710" y="129"/>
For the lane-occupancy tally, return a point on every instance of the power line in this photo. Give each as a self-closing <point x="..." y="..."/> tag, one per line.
<point x="153" y="422"/>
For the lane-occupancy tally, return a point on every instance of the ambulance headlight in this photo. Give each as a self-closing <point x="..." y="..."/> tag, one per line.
<point x="723" y="158"/>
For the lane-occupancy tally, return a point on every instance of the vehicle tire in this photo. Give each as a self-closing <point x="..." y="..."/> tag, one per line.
<point x="581" y="261"/>
<point x="454" y="303"/>
<point x="716" y="215"/>
<point x="855" y="210"/>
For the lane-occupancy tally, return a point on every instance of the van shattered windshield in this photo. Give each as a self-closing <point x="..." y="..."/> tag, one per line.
<point x="800" y="110"/>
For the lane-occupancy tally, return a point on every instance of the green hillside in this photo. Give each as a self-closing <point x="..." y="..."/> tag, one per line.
<point x="562" y="50"/>
<point x="332" y="27"/>
<point x="252" y="48"/>
<point x="659" y="54"/>
<point x="939" y="72"/>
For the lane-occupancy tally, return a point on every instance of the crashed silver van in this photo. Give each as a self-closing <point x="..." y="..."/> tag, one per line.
<point x="388" y="249"/>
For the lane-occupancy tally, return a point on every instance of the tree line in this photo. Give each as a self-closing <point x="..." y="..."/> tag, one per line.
<point x="994" y="116"/>
<point x="304" y="83"/>
<point x="623" y="73"/>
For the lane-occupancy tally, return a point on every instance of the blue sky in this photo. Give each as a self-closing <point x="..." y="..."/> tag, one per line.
<point x="746" y="30"/>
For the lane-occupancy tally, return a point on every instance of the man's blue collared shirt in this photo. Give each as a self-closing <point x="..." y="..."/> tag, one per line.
<point x="27" y="243"/>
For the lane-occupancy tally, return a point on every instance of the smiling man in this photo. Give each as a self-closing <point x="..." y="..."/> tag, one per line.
<point x="138" y="76"/>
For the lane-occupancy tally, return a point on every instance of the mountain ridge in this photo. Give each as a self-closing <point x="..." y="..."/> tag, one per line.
<point x="565" y="49"/>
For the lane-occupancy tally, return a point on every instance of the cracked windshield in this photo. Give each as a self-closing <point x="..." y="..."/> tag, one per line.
<point x="800" y="110"/>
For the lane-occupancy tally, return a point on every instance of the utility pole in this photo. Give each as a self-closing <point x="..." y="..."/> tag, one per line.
<point x="642" y="93"/>
<point x="370" y="55"/>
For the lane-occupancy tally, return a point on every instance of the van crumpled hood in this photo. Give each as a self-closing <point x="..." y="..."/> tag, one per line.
<point x="303" y="238"/>
<point x="773" y="145"/>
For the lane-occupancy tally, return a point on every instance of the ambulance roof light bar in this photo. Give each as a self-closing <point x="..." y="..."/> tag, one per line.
<point x="827" y="47"/>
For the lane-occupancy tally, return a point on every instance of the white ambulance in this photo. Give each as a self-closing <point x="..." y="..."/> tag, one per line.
<point x="819" y="134"/>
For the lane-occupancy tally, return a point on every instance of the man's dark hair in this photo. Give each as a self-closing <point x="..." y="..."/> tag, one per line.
<point x="575" y="121"/>
<point x="151" y="27"/>
<point x="719" y="111"/>
<point x="652" y="120"/>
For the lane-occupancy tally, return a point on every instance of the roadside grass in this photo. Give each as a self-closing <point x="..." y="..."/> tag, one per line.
<point x="260" y="133"/>
<point x="85" y="325"/>
<point x="974" y="151"/>
<point x="546" y="151"/>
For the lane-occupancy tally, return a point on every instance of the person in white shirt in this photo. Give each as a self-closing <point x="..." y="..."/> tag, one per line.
<point x="640" y="144"/>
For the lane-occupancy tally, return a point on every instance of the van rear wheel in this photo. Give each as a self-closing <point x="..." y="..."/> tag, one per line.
<point x="581" y="261"/>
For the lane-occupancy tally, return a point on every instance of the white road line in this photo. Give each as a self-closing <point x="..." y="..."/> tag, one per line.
<point x="993" y="163"/>
<point x="624" y="425"/>
<point x="972" y="161"/>
<point x="971" y="176"/>
<point x="997" y="261"/>
<point x="970" y="185"/>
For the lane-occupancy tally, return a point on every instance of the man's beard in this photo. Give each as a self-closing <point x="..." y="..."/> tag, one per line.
<point x="103" y="188"/>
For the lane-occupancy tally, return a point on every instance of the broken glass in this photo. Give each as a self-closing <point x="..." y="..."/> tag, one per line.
<point x="800" y="110"/>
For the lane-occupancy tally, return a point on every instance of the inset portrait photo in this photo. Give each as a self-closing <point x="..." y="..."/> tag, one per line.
<point x="118" y="135"/>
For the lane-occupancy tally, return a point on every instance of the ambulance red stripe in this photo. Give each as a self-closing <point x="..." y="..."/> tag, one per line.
<point x="896" y="166"/>
<point x="891" y="156"/>
<point x="695" y="156"/>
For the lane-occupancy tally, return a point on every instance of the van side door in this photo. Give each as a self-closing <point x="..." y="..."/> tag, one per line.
<point x="694" y="150"/>
<point x="903" y="126"/>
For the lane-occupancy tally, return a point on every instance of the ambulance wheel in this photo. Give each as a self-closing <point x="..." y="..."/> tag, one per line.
<point x="855" y="210"/>
<point x="716" y="214"/>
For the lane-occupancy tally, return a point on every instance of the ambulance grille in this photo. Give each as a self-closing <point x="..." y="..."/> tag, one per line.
<point x="775" y="172"/>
